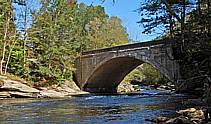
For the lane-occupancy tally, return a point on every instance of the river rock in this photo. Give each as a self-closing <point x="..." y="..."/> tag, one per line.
<point x="65" y="90"/>
<point x="179" y="120"/>
<point x="1" y="83"/>
<point x="197" y="114"/>
<point x="161" y="119"/>
<point x="127" y="88"/>
<point x="20" y="89"/>
<point x="188" y="116"/>
<point x="4" y="94"/>
<point x="2" y="77"/>
<point x="10" y="85"/>
<point x="51" y="94"/>
<point x="1" y="80"/>
<point x="186" y="111"/>
<point x="70" y="85"/>
<point x="17" y="94"/>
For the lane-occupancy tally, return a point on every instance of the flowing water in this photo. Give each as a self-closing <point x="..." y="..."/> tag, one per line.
<point x="90" y="109"/>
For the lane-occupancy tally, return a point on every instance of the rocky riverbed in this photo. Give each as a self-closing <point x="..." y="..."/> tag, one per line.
<point x="194" y="111"/>
<point x="128" y="88"/>
<point x="186" y="116"/>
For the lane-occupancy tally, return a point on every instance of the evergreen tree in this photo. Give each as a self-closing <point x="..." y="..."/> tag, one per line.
<point x="166" y="16"/>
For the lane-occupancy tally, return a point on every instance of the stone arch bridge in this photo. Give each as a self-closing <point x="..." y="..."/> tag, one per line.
<point x="102" y="70"/>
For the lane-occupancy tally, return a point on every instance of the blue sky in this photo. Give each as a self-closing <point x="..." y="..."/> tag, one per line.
<point x="124" y="9"/>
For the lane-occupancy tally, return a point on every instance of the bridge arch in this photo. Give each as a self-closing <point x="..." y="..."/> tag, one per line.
<point x="108" y="74"/>
<point x="102" y="70"/>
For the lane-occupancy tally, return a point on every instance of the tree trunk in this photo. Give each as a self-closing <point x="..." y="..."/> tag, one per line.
<point x="5" y="71"/>
<point x="183" y="17"/>
<point x="209" y="17"/>
<point x="171" y="25"/>
<point x="25" y="37"/>
<point x="199" y="15"/>
<point x="183" y="24"/>
<point x="5" y="42"/>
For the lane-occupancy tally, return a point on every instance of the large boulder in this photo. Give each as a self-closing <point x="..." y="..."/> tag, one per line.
<point x="179" y="120"/>
<point x="20" y="89"/>
<point x="186" y="111"/>
<point x="160" y="119"/>
<point x="125" y="88"/>
<point x="1" y="80"/>
<point x="51" y="94"/>
<point x="17" y="94"/>
<point x="192" y="113"/>
<point x="11" y="85"/>
<point x="72" y="85"/>
<point x="5" y="94"/>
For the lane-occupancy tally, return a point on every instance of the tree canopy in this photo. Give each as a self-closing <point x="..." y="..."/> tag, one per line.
<point x="188" y="23"/>
<point x="59" y="31"/>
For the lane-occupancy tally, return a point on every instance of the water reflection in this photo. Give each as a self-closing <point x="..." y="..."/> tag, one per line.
<point x="89" y="109"/>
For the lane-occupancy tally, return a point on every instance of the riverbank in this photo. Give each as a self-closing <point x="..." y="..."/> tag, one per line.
<point x="192" y="111"/>
<point x="10" y="88"/>
<point x="186" y="116"/>
<point x="13" y="87"/>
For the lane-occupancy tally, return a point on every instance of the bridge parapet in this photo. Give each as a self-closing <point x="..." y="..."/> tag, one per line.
<point x="129" y="46"/>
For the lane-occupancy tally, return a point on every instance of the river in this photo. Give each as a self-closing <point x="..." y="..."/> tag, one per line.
<point x="90" y="109"/>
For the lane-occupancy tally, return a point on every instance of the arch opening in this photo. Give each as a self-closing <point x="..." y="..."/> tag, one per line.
<point x="144" y="75"/>
<point x="110" y="74"/>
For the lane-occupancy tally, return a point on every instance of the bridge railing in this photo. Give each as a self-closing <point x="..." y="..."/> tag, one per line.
<point x="129" y="46"/>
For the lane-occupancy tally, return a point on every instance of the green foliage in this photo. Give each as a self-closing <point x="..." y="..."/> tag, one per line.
<point x="45" y="52"/>
<point x="152" y="75"/>
<point x="8" y="33"/>
<point x="16" y="61"/>
<point x="60" y="32"/>
<point x="146" y="73"/>
<point x="53" y="41"/>
<point x="189" y="23"/>
<point x="136" y="74"/>
<point x="107" y="33"/>
<point x="100" y="30"/>
<point x="166" y="17"/>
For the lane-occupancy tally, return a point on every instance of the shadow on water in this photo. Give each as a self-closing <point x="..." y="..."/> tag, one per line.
<point x="91" y="108"/>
